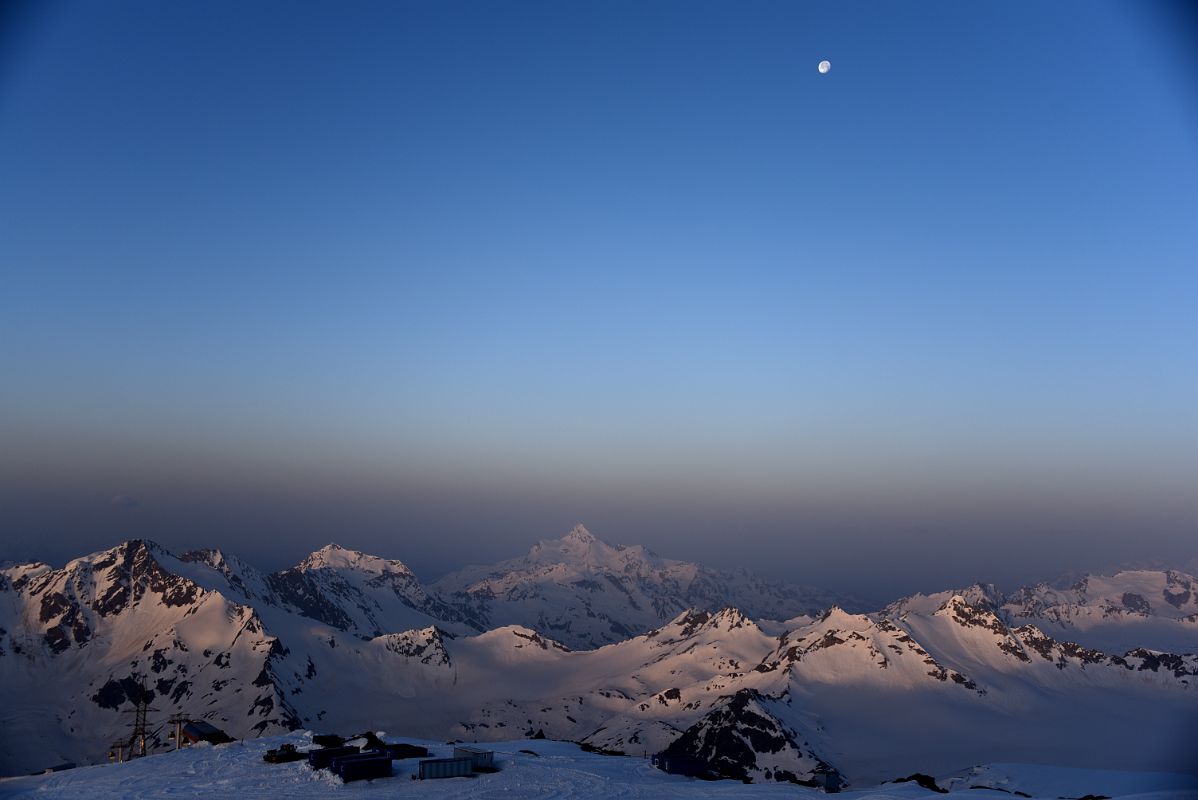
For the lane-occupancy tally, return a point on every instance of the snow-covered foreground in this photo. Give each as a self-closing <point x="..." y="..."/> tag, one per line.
<point x="550" y="770"/>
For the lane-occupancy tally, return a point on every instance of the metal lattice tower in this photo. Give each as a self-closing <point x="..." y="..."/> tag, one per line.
<point x="137" y="739"/>
<point x="178" y="720"/>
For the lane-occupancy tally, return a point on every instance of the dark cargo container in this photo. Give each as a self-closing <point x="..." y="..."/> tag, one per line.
<point x="365" y="766"/>
<point x="320" y="759"/>
<point x="446" y="768"/>
<point x="400" y="750"/>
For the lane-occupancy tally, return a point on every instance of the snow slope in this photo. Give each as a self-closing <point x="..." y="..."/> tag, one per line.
<point x="534" y="769"/>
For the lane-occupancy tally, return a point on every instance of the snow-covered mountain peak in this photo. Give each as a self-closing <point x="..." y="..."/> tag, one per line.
<point x="836" y="617"/>
<point x="582" y="550"/>
<point x="580" y="535"/>
<point x="683" y="626"/>
<point x="20" y="572"/>
<point x="696" y="622"/>
<point x="729" y="618"/>
<point x="126" y="552"/>
<point x="958" y="600"/>
<point x="587" y="593"/>
<point x="115" y="579"/>
<point x="336" y="644"/>
<point x="579" y="545"/>
<point x="364" y="594"/>
<point x="231" y="567"/>
<point x="511" y="638"/>
<point x="978" y="614"/>
<point x="216" y="570"/>
<point x="426" y="645"/>
<point x="979" y="595"/>
<point x="209" y="556"/>
<point x="334" y="556"/>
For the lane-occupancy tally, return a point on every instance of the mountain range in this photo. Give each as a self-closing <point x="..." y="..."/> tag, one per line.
<point x="603" y="644"/>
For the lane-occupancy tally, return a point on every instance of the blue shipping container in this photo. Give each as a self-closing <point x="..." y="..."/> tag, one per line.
<point x="366" y="766"/>
<point x="446" y="768"/>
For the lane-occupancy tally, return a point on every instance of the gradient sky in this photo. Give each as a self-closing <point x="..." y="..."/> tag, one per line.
<point x="438" y="279"/>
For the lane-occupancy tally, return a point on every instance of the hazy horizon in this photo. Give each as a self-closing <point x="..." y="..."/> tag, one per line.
<point x="437" y="280"/>
<point x="872" y="586"/>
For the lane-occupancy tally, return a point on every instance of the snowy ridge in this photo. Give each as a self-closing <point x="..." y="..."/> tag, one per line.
<point x="359" y="593"/>
<point x="586" y="593"/>
<point x="1117" y="612"/>
<point x="350" y="641"/>
<point x="93" y="637"/>
<point x="840" y="646"/>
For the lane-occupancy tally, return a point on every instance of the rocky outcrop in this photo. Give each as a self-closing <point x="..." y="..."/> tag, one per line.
<point x="741" y="739"/>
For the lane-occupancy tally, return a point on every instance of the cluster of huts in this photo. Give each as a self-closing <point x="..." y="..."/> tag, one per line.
<point x="374" y="758"/>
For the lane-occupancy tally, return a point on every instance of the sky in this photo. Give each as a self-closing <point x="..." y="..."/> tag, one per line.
<point x="438" y="279"/>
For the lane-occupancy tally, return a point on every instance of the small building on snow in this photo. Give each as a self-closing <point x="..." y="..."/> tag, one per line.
<point x="200" y="731"/>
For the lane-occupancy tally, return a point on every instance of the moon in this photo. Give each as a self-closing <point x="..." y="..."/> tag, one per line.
<point x="825" y="67"/>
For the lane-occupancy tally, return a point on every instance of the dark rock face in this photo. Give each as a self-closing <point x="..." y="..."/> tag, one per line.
<point x="1180" y="666"/>
<point x="983" y="616"/>
<point x="324" y="593"/>
<point x="1082" y="655"/>
<point x="1037" y="641"/>
<point x="924" y="781"/>
<point x="1067" y="654"/>
<point x="693" y="623"/>
<point x="741" y="740"/>
<point x="296" y="588"/>
<point x="216" y="560"/>
<point x="976" y="616"/>
<point x="1178" y="599"/>
<point x="123" y="576"/>
<point x="1136" y="603"/>
<point x="536" y="640"/>
<point x="72" y="623"/>
<point x="427" y="650"/>
<point x="830" y="640"/>
<point x="133" y="572"/>
<point x="116" y="693"/>
<point x="1178" y="589"/>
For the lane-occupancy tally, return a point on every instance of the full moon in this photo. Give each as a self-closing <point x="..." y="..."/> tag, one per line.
<point x="825" y="67"/>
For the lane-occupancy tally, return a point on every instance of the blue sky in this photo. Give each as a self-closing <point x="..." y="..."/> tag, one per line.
<point x="425" y="277"/>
